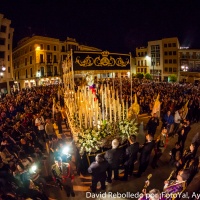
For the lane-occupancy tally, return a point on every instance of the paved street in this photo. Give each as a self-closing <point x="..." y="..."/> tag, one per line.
<point x="133" y="185"/>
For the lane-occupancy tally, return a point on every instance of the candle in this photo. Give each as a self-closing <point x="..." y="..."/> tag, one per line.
<point x="114" y="108"/>
<point x="123" y="109"/>
<point x="119" y="112"/>
<point x="126" y="109"/>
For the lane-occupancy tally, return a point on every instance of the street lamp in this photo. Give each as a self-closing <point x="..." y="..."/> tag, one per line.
<point x="184" y="68"/>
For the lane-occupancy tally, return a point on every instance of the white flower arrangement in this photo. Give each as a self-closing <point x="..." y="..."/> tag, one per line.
<point x="91" y="140"/>
<point x="88" y="141"/>
<point x="127" y="128"/>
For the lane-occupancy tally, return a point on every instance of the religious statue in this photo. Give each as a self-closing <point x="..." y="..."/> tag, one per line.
<point x="90" y="79"/>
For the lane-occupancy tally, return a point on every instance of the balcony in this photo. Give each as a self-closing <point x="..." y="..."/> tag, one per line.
<point x="49" y="61"/>
<point x="48" y="74"/>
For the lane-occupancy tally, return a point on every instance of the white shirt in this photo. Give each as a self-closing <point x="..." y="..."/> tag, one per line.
<point x="40" y="122"/>
<point x="177" y="117"/>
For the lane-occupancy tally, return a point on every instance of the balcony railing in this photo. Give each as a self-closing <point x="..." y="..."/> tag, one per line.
<point x="48" y="74"/>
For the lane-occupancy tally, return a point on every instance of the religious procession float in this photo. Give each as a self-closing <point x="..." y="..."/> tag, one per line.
<point x="97" y="113"/>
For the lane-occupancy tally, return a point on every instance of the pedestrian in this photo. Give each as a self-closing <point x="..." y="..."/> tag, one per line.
<point x="40" y="123"/>
<point x="160" y="146"/>
<point x="130" y="157"/>
<point x="49" y="128"/>
<point x="63" y="174"/>
<point x="114" y="157"/>
<point x="152" y="124"/>
<point x="145" y="153"/>
<point x="98" y="170"/>
<point x="58" y="120"/>
<point x="168" y="122"/>
<point x="182" y="134"/>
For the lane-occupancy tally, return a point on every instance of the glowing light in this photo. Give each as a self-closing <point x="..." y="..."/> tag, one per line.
<point x="33" y="168"/>
<point x="3" y="68"/>
<point x="37" y="48"/>
<point x="65" y="150"/>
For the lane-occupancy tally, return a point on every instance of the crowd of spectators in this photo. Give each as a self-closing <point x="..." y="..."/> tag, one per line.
<point x="26" y="126"/>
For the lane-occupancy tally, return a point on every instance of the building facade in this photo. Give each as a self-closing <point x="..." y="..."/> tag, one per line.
<point x="189" y="65"/>
<point x="159" y="58"/>
<point x="6" y="70"/>
<point x="170" y="48"/>
<point x="38" y="60"/>
<point x="142" y="64"/>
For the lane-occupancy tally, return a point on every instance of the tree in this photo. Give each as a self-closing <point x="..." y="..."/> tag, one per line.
<point x="172" y="78"/>
<point x="139" y="75"/>
<point x="133" y="75"/>
<point x="148" y="76"/>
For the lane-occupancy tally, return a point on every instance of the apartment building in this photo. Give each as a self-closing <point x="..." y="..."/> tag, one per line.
<point x="189" y="65"/>
<point x="159" y="58"/>
<point x="38" y="60"/>
<point x="6" y="38"/>
<point x="155" y="59"/>
<point x="142" y="64"/>
<point x="170" y="48"/>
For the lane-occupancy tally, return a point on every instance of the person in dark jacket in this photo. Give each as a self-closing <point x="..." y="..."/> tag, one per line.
<point x="145" y="153"/>
<point x="182" y="134"/>
<point x="131" y="157"/>
<point x="160" y="146"/>
<point x="114" y="157"/>
<point x="168" y="121"/>
<point x="98" y="170"/>
<point x="194" y="185"/>
<point x="152" y="124"/>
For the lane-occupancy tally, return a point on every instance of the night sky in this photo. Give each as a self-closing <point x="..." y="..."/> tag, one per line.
<point x="113" y="25"/>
